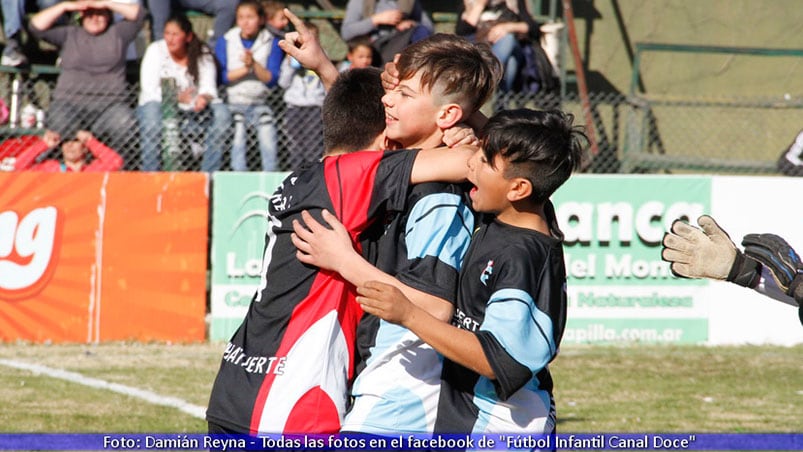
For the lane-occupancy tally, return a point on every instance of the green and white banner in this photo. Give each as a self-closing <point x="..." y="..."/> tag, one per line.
<point x="239" y="224"/>
<point x="619" y="288"/>
<point x="620" y="291"/>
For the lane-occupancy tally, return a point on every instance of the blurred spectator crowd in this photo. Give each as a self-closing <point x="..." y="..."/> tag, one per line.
<point x="228" y="100"/>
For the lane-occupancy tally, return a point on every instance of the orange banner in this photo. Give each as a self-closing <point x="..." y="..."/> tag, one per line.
<point x="87" y="257"/>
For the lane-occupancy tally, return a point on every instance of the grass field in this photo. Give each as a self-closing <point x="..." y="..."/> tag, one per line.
<point x="598" y="389"/>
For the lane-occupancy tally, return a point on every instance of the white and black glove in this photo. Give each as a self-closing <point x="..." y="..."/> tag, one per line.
<point x="707" y="253"/>
<point x="782" y="261"/>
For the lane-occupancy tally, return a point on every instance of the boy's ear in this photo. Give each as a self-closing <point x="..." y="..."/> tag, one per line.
<point x="520" y="188"/>
<point x="449" y="115"/>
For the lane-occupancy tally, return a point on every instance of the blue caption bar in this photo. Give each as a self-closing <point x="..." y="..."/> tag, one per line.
<point x="566" y="441"/>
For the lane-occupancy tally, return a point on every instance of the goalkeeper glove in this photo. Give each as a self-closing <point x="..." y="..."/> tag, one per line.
<point x="782" y="261"/>
<point x="707" y="253"/>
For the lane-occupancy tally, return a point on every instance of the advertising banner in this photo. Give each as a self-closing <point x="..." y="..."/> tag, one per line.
<point x="239" y="225"/>
<point x="88" y="257"/>
<point x="619" y="289"/>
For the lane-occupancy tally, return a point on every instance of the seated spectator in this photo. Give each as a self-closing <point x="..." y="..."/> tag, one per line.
<point x="73" y="152"/>
<point x="13" y="20"/>
<point x="181" y="58"/>
<point x="506" y="25"/>
<point x="360" y="55"/>
<point x="275" y="20"/>
<point x="390" y="24"/>
<point x="91" y="91"/>
<point x="221" y="10"/>
<point x="303" y="95"/>
<point x="250" y="58"/>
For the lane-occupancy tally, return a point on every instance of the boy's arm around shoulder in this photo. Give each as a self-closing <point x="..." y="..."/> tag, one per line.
<point x="442" y="164"/>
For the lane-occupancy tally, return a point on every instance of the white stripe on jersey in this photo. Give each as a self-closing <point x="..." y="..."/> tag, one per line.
<point x="322" y="343"/>
<point x="398" y="390"/>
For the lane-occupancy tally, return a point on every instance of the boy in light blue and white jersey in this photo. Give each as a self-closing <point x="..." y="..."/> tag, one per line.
<point x="419" y="250"/>
<point x="511" y="304"/>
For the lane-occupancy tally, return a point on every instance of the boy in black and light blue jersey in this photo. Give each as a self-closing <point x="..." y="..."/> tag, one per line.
<point x="511" y="305"/>
<point x="420" y="250"/>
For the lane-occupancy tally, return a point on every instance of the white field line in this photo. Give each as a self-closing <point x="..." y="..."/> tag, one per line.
<point x="148" y="396"/>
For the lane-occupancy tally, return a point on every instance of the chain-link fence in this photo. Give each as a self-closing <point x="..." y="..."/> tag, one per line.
<point x="631" y="134"/>
<point x="651" y="134"/>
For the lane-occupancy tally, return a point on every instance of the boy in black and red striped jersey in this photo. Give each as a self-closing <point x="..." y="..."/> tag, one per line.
<point x="287" y="367"/>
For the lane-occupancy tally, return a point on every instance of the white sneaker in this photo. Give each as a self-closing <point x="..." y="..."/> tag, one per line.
<point x="12" y="57"/>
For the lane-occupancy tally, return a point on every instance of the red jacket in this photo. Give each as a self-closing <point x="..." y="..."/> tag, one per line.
<point x="105" y="159"/>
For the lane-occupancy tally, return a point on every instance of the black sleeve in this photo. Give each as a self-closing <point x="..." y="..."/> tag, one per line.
<point x="510" y="374"/>
<point x="392" y="181"/>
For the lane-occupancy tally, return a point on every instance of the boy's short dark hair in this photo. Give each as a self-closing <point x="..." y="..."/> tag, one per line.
<point x="465" y="72"/>
<point x="542" y="146"/>
<point x="353" y="114"/>
<point x="362" y="40"/>
<point x="253" y="4"/>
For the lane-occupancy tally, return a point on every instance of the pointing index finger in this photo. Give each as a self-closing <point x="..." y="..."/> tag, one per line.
<point x="297" y="23"/>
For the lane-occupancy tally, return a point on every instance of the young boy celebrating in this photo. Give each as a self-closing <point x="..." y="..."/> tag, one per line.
<point x="511" y="304"/>
<point x="287" y="367"/>
<point x="444" y="79"/>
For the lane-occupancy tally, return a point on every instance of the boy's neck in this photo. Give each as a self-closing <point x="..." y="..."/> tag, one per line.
<point x="525" y="216"/>
<point x="433" y="141"/>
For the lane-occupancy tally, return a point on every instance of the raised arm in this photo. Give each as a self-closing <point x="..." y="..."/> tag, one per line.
<point x="472" y="11"/>
<point x="306" y="49"/>
<point x="26" y="159"/>
<point x="129" y="11"/>
<point x="442" y="164"/>
<point x="105" y="158"/>
<point x="45" y="18"/>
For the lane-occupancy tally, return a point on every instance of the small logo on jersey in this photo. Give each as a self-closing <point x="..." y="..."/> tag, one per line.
<point x="489" y="270"/>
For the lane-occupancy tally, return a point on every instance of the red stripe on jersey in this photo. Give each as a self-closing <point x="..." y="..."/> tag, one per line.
<point x="315" y="401"/>
<point x="350" y="191"/>
<point x="328" y="293"/>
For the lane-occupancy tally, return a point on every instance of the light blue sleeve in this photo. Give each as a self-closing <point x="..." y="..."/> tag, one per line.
<point x="439" y="225"/>
<point x="522" y="329"/>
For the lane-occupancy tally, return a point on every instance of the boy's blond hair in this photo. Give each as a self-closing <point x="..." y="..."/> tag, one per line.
<point x="271" y="7"/>
<point x="453" y="68"/>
